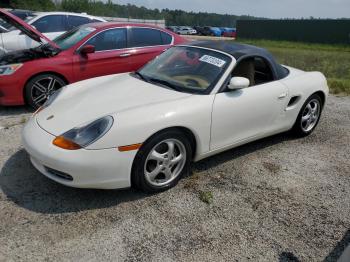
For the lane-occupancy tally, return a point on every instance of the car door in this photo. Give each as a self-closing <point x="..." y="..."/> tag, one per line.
<point x="145" y="44"/>
<point x="51" y="25"/>
<point x="108" y="58"/>
<point x="240" y="115"/>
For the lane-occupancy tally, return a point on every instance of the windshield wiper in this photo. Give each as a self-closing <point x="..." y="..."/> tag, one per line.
<point x="47" y="49"/>
<point x="165" y="83"/>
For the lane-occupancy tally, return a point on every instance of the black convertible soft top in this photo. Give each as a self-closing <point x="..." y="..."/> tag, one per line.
<point x="239" y="51"/>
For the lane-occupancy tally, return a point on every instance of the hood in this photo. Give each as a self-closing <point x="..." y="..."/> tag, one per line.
<point x="88" y="100"/>
<point x="24" y="27"/>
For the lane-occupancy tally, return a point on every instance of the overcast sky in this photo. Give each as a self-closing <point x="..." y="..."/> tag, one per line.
<point x="263" y="8"/>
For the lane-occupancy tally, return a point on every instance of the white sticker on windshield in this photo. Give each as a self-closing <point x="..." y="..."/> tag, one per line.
<point x="212" y="60"/>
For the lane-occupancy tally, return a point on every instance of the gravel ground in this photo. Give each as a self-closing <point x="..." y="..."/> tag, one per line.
<point x="278" y="199"/>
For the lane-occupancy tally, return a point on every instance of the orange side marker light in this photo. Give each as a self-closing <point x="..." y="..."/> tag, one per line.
<point x="129" y="147"/>
<point x="64" y="143"/>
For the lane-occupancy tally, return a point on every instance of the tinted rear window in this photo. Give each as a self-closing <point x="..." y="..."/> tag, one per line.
<point x="74" y="21"/>
<point x="109" y="40"/>
<point x="50" y="24"/>
<point x="144" y="37"/>
<point x="166" y="38"/>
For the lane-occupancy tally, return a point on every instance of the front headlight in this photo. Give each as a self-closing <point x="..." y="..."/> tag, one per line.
<point x="79" y="137"/>
<point x="9" y="69"/>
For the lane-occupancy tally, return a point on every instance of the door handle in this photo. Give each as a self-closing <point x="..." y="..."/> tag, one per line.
<point x="125" y="55"/>
<point x="281" y="96"/>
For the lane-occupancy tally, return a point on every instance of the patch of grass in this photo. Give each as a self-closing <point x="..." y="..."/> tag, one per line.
<point x="206" y="197"/>
<point x="332" y="60"/>
<point x="23" y="120"/>
<point x="296" y="45"/>
<point x="192" y="184"/>
<point x="339" y="86"/>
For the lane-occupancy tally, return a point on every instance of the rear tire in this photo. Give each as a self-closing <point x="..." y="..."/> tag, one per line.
<point x="309" y="116"/>
<point x="39" y="88"/>
<point x="161" y="161"/>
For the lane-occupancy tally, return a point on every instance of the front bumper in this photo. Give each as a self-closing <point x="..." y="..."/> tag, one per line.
<point x="103" y="169"/>
<point x="11" y="91"/>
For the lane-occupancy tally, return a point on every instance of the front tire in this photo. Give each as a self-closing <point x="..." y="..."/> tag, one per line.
<point x="39" y="88"/>
<point x="161" y="161"/>
<point x="308" y="117"/>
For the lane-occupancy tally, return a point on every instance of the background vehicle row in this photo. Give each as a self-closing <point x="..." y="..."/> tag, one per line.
<point x="204" y="30"/>
<point x="51" y="24"/>
<point x="87" y="51"/>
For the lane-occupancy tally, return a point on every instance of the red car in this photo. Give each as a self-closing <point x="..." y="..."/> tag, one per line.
<point x="232" y="34"/>
<point x="30" y="76"/>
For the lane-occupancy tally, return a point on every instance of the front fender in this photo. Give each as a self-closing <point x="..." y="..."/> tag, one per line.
<point x="137" y="125"/>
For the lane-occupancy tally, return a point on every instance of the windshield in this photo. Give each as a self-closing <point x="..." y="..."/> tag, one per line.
<point x="187" y="69"/>
<point x="70" y="38"/>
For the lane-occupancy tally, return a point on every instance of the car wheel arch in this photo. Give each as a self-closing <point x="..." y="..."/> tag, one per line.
<point x="322" y="96"/>
<point x="186" y="131"/>
<point x="42" y="73"/>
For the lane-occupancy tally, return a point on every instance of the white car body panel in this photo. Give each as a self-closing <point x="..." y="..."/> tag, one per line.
<point x="298" y="83"/>
<point x="15" y="40"/>
<point x="133" y="104"/>
<point x="186" y="31"/>
<point x="84" y="164"/>
<point x="246" y="113"/>
<point x="130" y="94"/>
<point x="218" y="121"/>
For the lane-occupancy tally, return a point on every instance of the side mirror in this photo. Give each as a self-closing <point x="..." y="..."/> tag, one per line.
<point x="238" y="83"/>
<point x="87" y="49"/>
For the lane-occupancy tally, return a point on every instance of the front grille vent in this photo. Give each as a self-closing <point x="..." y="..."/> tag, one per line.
<point x="59" y="174"/>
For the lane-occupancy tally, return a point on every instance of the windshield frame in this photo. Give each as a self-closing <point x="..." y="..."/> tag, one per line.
<point x="212" y="85"/>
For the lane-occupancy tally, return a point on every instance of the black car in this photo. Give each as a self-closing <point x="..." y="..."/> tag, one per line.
<point x="203" y="30"/>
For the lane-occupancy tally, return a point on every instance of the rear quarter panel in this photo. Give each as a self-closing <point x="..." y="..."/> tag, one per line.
<point x="302" y="85"/>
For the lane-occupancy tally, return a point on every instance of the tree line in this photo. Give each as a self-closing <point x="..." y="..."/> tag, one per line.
<point x="110" y="9"/>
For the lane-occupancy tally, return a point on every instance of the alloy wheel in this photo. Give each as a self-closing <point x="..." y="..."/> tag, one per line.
<point x="165" y="162"/>
<point x="43" y="88"/>
<point x="310" y="115"/>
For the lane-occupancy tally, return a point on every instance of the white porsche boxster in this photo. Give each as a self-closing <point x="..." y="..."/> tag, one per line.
<point x="143" y="129"/>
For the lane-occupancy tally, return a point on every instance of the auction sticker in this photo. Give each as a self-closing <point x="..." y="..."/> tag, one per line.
<point x="212" y="60"/>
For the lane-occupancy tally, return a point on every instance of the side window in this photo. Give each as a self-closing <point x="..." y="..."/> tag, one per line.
<point x="263" y="73"/>
<point x="75" y="21"/>
<point x="256" y="69"/>
<point x="50" y="24"/>
<point x="166" y="38"/>
<point x="144" y="37"/>
<point x="109" y="40"/>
